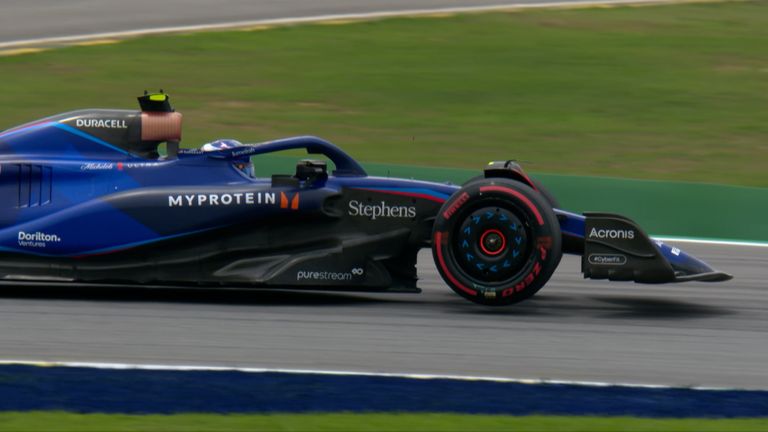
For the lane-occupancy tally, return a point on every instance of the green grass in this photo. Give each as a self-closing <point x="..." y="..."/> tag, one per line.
<point x="57" y="421"/>
<point x="667" y="92"/>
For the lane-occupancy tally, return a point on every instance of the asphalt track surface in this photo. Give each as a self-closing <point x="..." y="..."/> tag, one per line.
<point x="33" y="19"/>
<point x="574" y="329"/>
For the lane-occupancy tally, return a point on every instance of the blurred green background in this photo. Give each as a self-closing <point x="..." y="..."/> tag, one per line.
<point x="371" y="422"/>
<point x="667" y="92"/>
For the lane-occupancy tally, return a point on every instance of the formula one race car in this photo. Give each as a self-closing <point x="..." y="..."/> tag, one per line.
<point x="88" y="200"/>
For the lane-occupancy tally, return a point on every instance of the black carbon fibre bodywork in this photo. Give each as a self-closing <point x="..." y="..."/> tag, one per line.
<point x="324" y="249"/>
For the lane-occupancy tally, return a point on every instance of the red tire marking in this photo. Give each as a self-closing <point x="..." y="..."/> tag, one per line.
<point x="545" y="242"/>
<point x="530" y="182"/>
<point x="463" y="198"/>
<point x="517" y="195"/>
<point x="441" y="262"/>
<point x="503" y="242"/>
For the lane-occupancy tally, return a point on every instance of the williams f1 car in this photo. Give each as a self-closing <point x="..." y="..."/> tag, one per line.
<point x="87" y="199"/>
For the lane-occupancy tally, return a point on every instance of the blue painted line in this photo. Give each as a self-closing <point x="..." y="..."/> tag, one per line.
<point x="82" y="134"/>
<point x="422" y="191"/>
<point x="20" y="129"/>
<point x="135" y="391"/>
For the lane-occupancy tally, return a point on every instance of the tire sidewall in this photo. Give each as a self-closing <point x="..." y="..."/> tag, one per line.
<point x="543" y="231"/>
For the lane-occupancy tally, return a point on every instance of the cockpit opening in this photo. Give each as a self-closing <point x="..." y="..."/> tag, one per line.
<point x="242" y="164"/>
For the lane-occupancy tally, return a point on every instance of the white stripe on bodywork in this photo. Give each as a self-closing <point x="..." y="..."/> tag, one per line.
<point x="712" y="241"/>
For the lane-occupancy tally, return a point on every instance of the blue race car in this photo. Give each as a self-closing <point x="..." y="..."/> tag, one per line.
<point x="88" y="200"/>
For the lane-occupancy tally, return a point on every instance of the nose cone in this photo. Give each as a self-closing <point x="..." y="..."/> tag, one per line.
<point x="713" y="276"/>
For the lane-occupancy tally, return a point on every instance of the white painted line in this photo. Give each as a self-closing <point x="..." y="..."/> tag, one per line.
<point x="183" y="368"/>
<point x="330" y="17"/>
<point x="712" y="241"/>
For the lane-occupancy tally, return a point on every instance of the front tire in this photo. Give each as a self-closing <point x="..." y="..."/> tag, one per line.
<point x="496" y="241"/>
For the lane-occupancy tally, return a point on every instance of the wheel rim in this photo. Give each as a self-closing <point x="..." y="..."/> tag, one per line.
<point x="491" y="244"/>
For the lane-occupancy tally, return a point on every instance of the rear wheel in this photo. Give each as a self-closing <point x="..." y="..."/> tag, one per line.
<point x="496" y="241"/>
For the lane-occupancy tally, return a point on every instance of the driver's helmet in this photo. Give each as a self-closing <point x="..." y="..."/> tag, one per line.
<point x="243" y="164"/>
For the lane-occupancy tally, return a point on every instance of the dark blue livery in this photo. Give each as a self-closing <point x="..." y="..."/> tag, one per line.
<point x="88" y="199"/>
